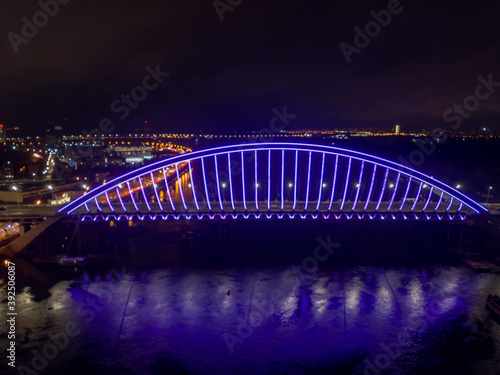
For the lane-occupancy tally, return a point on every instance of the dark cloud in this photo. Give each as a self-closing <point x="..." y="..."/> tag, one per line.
<point x="229" y="75"/>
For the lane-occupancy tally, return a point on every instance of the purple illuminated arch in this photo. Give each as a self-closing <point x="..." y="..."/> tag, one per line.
<point x="281" y="178"/>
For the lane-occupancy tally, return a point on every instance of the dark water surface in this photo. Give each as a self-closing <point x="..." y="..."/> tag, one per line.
<point x="286" y="313"/>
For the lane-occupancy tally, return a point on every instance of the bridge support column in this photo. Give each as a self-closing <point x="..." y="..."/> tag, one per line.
<point x="332" y="229"/>
<point x="454" y="236"/>
<point x="216" y="235"/>
<point x="222" y="234"/>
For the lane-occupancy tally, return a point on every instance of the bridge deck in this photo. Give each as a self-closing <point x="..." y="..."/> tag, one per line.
<point x="19" y="244"/>
<point x="36" y="213"/>
<point x="277" y="207"/>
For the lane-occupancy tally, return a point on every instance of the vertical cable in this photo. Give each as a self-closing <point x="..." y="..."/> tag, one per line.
<point x="295" y="180"/>
<point x="269" y="180"/>
<point x="156" y="192"/>
<point x="256" y="184"/>
<point x="334" y="182"/>
<point x="406" y="194"/>
<point x="180" y="186"/>
<point x="371" y="187"/>
<point x="439" y="203"/>
<point x="417" y="197"/>
<point x="449" y="206"/>
<point x="144" y="194"/>
<point x="109" y="202"/>
<point x="205" y="184"/>
<point x="282" y="179"/>
<point x="308" y="181"/>
<point x="131" y="193"/>
<point x="320" y="193"/>
<point x="346" y="184"/>
<point x="98" y="205"/>
<point x="359" y="185"/>
<point x="165" y="175"/>
<point x="243" y="180"/>
<point x="428" y="198"/>
<point x="383" y="190"/>
<point x="218" y="183"/>
<point x="120" y="199"/>
<point x="192" y="185"/>
<point x="230" y="180"/>
<point x="394" y="192"/>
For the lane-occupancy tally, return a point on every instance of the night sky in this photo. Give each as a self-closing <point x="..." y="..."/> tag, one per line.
<point x="228" y="75"/>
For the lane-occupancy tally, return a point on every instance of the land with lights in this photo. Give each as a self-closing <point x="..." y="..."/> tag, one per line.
<point x="57" y="168"/>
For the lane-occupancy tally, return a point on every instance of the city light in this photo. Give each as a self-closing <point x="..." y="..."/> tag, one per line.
<point x="52" y="191"/>
<point x="14" y="187"/>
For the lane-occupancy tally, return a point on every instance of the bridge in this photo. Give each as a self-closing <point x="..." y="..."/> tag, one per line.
<point x="274" y="180"/>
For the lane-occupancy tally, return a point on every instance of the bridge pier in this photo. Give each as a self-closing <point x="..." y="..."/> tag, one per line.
<point x="43" y="247"/>
<point x="222" y="234"/>
<point x="454" y="236"/>
<point x="217" y="235"/>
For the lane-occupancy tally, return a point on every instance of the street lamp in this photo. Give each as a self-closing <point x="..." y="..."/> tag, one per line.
<point x="14" y="187"/>
<point x="488" y="198"/>
<point x="52" y="190"/>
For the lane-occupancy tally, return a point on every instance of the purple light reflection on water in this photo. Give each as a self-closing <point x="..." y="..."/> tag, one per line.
<point x="178" y="318"/>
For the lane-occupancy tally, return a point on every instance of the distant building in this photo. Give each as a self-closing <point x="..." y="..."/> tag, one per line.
<point x="8" y="171"/>
<point x="101" y="177"/>
<point x="129" y="150"/>
<point x="2" y="133"/>
<point x="54" y="136"/>
<point x="397" y="129"/>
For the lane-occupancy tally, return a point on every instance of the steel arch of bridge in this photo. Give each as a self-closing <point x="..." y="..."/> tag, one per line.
<point x="274" y="180"/>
